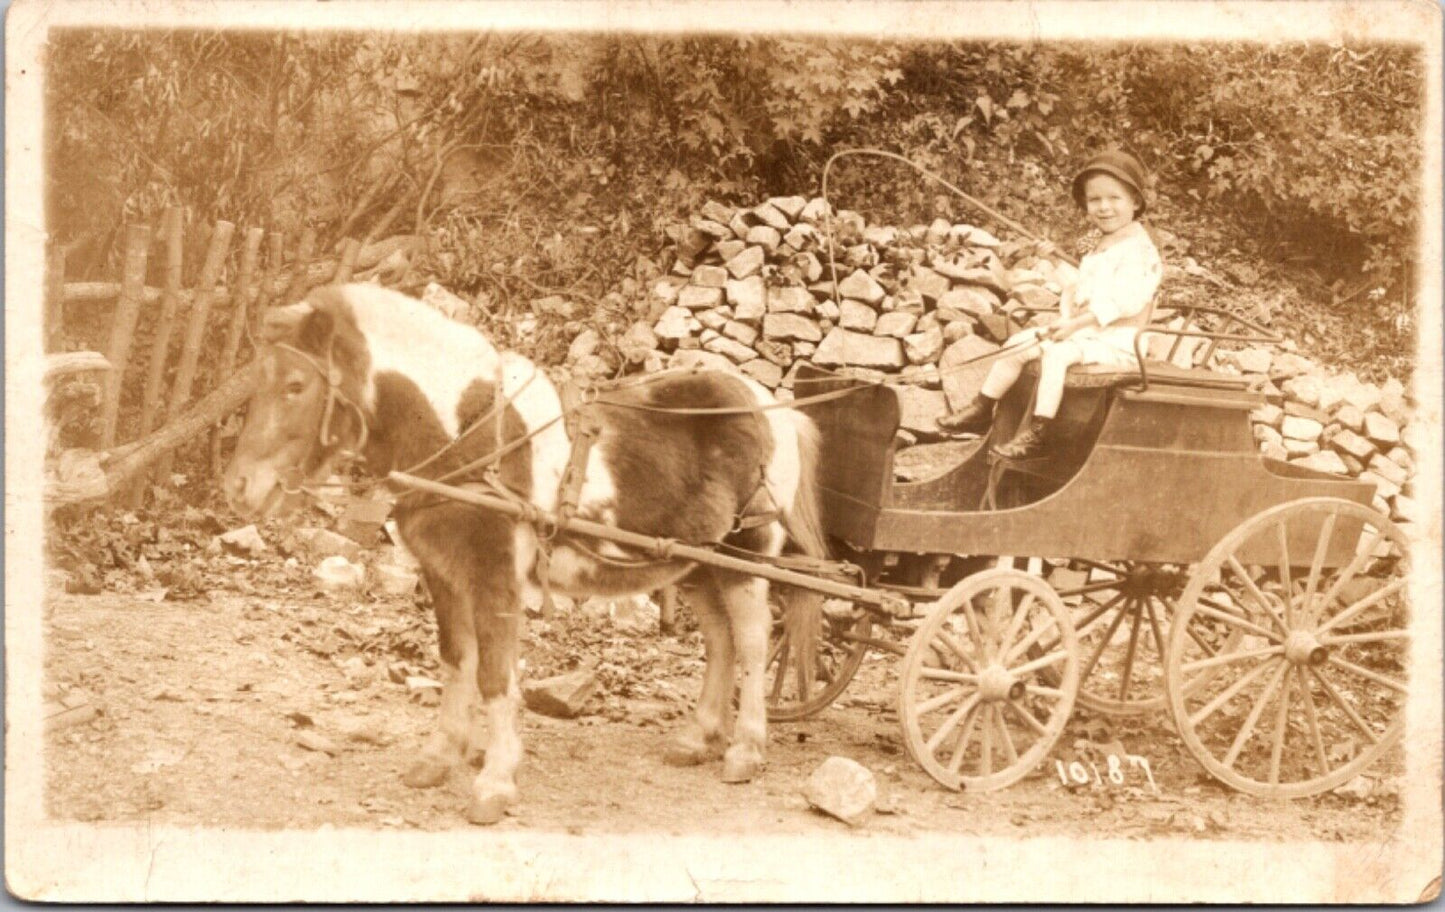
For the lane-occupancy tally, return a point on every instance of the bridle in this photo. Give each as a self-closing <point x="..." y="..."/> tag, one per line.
<point x="334" y="394"/>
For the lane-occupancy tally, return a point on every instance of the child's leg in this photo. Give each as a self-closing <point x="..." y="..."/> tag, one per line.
<point x="1057" y="358"/>
<point x="1004" y="372"/>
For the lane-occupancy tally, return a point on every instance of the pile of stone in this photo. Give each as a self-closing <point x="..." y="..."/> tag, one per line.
<point x="751" y="290"/>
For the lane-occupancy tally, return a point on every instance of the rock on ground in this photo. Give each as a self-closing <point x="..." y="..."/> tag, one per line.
<point x="844" y="789"/>
<point x="561" y="696"/>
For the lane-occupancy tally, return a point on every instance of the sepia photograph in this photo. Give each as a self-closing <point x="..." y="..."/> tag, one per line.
<point x="625" y="451"/>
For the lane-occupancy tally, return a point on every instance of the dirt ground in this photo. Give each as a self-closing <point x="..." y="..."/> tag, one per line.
<point x="210" y="711"/>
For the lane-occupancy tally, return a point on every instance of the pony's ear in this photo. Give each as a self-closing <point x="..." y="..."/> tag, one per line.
<point x="281" y="323"/>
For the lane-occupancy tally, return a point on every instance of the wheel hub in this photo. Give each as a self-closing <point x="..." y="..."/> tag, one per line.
<point x="1302" y="648"/>
<point x="996" y="684"/>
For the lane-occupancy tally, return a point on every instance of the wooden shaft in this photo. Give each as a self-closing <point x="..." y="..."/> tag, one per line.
<point x="122" y="327"/>
<point x="678" y="550"/>
<point x="200" y="314"/>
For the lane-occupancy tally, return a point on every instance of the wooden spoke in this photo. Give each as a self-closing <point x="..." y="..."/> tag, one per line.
<point x="945" y="674"/>
<point x="975" y="632"/>
<point x="957" y="649"/>
<point x="778" y="647"/>
<point x="1103" y="644"/>
<point x="1231" y="657"/>
<point x="782" y="676"/>
<point x="1015" y="624"/>
<point x="1313" y="718"/>
<point x="1284" y="574"/>
<point x="1089" y="588"/>
<point x="1281" y="725"/>
<point x="1235" y="620"/>
<point x="1044" y="691"/>
<point x="1368" y="601"/>
<point x="1030" y="640"/>
<point x="1043" y="661"/>
<point x="943" y="699"/>
<point x="1034" y="724"/>
<point x="1377" y="636"/>
<point x="1156" y="627"/>
<point x="1082" y="628"/>
<point x="1129" y="653"/>
<point x="986" y="743"/>
<point x="1247" y="729"/>
<point x="1348" y="710"/>
<point x="1352" y="568"/>
<point x="1259" y="597"/>
<point x="955" y="762"/>
<point x="1397" y="686"/>
<point x="1009" y="750"/>
<point x="1321" y="548"/>
<point x="1230" y="692"/>
<point x="951" y="723"/>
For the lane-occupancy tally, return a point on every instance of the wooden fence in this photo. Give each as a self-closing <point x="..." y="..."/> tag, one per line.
<point x="169" y="417"/>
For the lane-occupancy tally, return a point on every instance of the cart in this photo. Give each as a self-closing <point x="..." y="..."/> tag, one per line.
<point x="1152" y="559"/>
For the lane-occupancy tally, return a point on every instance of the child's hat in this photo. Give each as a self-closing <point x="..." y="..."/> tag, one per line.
<point x="1120" y="165"/>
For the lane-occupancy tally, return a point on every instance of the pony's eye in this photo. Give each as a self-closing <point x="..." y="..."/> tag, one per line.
<point x="295" y="388"/>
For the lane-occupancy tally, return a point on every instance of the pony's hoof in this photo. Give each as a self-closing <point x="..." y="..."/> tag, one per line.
<point x="741" y="765"/>
<point x="428" y="772"/>
<point x="489" y="809"/>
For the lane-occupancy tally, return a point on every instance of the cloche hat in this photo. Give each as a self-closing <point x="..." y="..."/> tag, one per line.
<point x="1116" y="164"/>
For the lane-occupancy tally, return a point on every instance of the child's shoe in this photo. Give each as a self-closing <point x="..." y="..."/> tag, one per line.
<point x="974" y="418"/>
<point x="1028" y="443"/>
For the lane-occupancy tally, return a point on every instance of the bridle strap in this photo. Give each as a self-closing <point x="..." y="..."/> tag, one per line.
<point x="332" y="375"/>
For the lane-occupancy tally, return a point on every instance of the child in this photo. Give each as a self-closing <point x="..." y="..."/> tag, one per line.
<point x="1099" y="316"/>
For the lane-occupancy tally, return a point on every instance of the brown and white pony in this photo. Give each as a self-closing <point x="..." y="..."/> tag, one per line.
<point x="361" y="367"/>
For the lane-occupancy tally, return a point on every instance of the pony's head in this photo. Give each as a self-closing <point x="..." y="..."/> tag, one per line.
<point x="307" y="408"/>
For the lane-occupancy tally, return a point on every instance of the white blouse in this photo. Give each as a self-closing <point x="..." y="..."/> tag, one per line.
<point x="1116" y="286"/>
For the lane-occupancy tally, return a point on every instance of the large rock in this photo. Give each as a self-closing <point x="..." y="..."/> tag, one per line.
<point x="961" y="385"/>
<point x="857" y="316"/>
<point x="714" y="320"/>
<point x="748" y="298"/>
<point x="1324" y="461"/>
<point x="1271" y="415"/>
<point x="790" y="299"/>
<point x="965" y="301"/>
<point x="1383" y="486"/>
<point x="674" y="323"/>
<point x="896" y="324"/>
<point x="765" y="372"/>
<point x="1299" y="428"/>
<point x="746" y="263"/>
<point x="1392" y="401"/>
<point x="778" y="352"/>
<point x="772" y="216"/>
<point x="246" y="541"/>
<point x="1034" y="296"/>
<point x="699" y="297"/>
<point x="921" y="409"/>
<point x="928" y="283"/>
<point x="729" y="348"/>
<point x="691" y="357"/>
<point x="1382" y="429"/>
<point x="337" y="574"/>
<point x="561" y="696"/>
<point x="1388" y="469"/>
<point x="1363" y="396"/>
<point x="710" y="276"/>
<point x="861" y="286"/>
<point x="740" y="332"/>
<point x="637" y="343"/>
<point x="785" y="326"/>
<point x="1305" y="389"/>
<point x="1350" y="443"/>
<point x="1254" y="360"/>
<point x="765" y="236"/>
<point x="322" y="543"/>
<point x="844" y="789"/>
<point x="923" y="347"/>
<point x="1350" y="417"/>
<point x="1296" y="448"/>
<point x="843" y="348"/>
<point x="790" y="206"/>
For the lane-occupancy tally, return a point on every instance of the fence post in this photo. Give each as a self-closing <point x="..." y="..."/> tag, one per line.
<point x="304" y="251"/>
<point x="350" y="250"/>
<point x="240" y="306"/>
<point x="196" y="327"/>
<point x="122" y="327"/>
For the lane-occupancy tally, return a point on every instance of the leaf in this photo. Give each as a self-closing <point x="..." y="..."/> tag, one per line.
<point x="985" y="106"/>
<point x="962" y="124"/>
<point x="1019" y="99"/>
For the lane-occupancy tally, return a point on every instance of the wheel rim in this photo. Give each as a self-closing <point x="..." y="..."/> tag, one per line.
<point x="1122" y="613"/>
<point x="814" y="651"/>
<point x="1313" y="689"/>
<point x="976" y="708"/>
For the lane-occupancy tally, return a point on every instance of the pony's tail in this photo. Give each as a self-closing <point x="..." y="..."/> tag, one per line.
<point x="803" y="521"/>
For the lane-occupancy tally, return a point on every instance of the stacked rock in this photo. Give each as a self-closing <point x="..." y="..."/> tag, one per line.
<point x="750" y="290"/>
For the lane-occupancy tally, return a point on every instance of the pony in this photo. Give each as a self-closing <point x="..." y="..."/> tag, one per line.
<point x="695" y="456"/>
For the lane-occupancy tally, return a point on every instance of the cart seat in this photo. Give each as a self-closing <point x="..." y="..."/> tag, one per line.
<point x="1107" y="376"/>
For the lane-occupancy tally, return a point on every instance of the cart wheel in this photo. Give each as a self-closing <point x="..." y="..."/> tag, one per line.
<point x="1122" y="612"/>
<point x="816" y="648"/>
<point x="1312" y="689"/>
<point x="976" y="710"/>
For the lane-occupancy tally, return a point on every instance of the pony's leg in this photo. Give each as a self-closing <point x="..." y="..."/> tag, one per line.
<point x="496" y="610"/>
<point x="446" y="746"/>
<point x="702" y="737"/>
<point x="746" y="602"/>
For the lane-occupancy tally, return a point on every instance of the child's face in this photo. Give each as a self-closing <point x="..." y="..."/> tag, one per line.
<point x="1109" y="202"/>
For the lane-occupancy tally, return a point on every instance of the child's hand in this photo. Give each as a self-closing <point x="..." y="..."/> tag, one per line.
<point x="1048" y="250"/>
